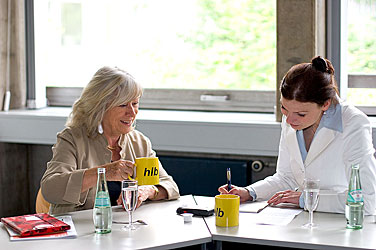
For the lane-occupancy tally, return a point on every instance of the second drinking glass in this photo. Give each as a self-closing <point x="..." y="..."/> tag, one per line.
<point x="129" y="194"/>
<point x="311" y="199"/>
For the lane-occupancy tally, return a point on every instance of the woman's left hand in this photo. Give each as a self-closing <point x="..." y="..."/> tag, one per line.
<point x="287" y="196"/>
<point x="144" y="193"/>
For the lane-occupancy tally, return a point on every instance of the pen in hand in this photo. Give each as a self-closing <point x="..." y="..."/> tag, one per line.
<point x="279" y="198"/>
<point x="228" y="179"/>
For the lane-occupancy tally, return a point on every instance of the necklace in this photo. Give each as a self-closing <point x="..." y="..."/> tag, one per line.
<point x="111" y="148"/>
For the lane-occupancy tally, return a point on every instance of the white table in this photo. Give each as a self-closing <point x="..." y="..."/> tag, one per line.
<point x="330" y="234"/>
<point x="165" y="229"/>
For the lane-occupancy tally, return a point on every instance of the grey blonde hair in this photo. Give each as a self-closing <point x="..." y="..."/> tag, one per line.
<point x="109" y="87"/>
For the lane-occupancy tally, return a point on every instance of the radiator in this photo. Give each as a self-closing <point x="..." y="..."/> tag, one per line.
<point x="203" y="176"/>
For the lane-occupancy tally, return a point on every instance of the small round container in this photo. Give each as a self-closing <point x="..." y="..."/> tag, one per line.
<point x="187" y="217"/>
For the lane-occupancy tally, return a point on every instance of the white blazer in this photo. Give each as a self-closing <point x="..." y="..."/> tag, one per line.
<point x="329" y="159"/>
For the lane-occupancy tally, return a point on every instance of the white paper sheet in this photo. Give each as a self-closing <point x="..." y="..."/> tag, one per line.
<point x="252" y="207"/>
<point x="274" y="216"/>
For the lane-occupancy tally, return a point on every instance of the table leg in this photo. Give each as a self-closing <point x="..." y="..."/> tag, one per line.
<point x="214" y="245"/>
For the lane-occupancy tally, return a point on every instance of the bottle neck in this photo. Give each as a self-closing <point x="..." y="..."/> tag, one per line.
<point x="101" y="183"/>
<point x="354" y="178"/>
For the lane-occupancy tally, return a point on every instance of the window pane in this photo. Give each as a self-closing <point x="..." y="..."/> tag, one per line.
<point x="361" y="58"/>
<point x="362" y="96"/>
<point x="361" y="36"/>
<point x="194" y="44"/>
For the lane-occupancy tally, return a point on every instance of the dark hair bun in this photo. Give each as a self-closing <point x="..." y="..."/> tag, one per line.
<point x="320" y="64"/>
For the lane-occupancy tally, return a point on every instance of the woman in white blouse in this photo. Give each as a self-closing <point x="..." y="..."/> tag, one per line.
<point x="321" y="138"/>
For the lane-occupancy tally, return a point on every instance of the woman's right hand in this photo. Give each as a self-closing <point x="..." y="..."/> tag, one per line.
<point x="119" y="170"/>
<point x="240" y="191"/>
<point x="115" y="171"/>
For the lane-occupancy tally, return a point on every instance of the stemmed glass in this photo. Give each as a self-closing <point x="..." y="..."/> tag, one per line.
<point x="311" y="198"/>
<point x="129" y="194"/>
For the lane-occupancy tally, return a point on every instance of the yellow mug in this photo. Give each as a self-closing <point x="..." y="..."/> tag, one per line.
<point x="227" y="210"/>
<point x="147" y="171"/>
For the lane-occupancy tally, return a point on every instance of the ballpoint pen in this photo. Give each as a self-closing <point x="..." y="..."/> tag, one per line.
<point x="228" y="179"/>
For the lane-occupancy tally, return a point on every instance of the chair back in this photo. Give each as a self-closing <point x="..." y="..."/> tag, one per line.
<point x="41" y="205"/>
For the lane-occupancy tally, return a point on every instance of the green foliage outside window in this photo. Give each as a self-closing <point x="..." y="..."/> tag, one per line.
<point x="362" y="37"/>
<point x="361" y="55"/>
<point x="236" y="41"/>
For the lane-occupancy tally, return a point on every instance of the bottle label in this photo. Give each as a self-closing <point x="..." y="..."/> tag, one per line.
<point x="102" y="200"/>
<point x="355" y="196"/>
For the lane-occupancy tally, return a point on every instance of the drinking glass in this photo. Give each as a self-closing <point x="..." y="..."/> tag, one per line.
<point x="311" y="198"/>
<point x="129" y="194"/>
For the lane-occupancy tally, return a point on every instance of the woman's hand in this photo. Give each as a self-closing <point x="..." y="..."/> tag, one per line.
<point x="242" y="192"/>
<point x="287" y="196"/>
<point x="115" y="171"/>
<point x="119" y="170"/>
<point x="144" y="193"/>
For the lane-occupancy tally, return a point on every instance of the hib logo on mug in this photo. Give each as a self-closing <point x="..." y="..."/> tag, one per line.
<point x="151" y="172"/>
<point x="219" y="212"/>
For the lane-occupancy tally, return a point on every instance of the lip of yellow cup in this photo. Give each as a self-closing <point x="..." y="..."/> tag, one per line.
<point x="228" y="196"/>
<point x="227" y="210"/>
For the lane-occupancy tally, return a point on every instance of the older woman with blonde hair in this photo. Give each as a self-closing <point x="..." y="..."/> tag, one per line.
<point x="100" y="132"/>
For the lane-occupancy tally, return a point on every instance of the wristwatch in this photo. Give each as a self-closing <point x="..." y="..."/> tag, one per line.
<point x="156" y="191"/>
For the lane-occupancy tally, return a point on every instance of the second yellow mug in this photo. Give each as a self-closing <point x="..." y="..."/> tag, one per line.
<point x="227" y="210"/>
<point x="147" y="170"/>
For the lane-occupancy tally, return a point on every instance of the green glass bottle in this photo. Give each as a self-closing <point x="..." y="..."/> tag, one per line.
<point x="354" y="204"/>
<point x="102" y="213"/>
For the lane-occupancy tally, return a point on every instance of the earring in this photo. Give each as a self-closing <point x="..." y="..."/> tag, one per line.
<point x="100" y="128"/>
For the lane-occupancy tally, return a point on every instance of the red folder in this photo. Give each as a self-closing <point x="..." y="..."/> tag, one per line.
<point x="35" y="224"/>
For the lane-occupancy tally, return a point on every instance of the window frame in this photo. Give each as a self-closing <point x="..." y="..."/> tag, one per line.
<point x="29" y="53"/>
<point x="363" y="81"/>
<point x="203" y="100"/>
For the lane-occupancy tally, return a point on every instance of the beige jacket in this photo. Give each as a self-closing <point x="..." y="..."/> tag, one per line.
<point x="74" y="152"/>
